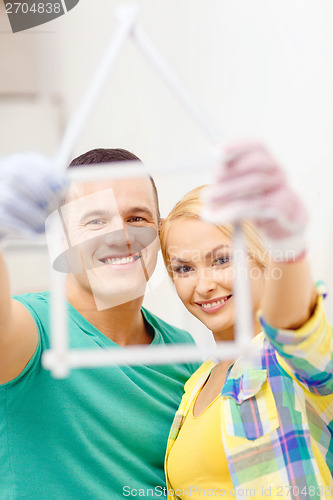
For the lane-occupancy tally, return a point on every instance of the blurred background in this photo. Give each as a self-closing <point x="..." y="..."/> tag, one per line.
<point x="261" y="69"/>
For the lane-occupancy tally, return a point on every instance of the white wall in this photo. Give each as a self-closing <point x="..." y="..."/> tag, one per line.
<point x="261" y="69"/>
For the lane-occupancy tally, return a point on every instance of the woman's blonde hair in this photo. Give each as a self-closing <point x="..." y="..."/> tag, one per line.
<point x="189" y="207"/>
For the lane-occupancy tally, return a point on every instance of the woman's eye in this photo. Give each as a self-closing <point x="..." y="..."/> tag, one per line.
<point x="220" y="261"/>
<point x="182" y="269"/>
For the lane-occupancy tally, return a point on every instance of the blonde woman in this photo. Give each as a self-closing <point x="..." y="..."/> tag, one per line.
<point x="263" y="431"/>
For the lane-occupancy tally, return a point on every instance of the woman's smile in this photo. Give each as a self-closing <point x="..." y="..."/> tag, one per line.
<point x="214" y="305"/>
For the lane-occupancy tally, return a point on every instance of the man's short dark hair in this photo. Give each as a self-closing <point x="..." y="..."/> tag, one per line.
<point x="101" y="155"/>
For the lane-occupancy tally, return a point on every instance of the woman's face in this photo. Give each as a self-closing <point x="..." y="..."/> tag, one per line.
<point x="200" y="256"/>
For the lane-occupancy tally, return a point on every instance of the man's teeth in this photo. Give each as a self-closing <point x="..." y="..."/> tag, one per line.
<point x="118" y="260"/>
<point x="214" y="304"/>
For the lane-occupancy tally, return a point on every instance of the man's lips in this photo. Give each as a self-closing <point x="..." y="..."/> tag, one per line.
<point x="211" y="306"/>
<point x="119" y="261"/>
<point x="70" y="260"/>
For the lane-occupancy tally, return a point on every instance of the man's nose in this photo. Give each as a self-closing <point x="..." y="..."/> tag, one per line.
<point x="135" y="238"/>
<point x="118" y="237"/>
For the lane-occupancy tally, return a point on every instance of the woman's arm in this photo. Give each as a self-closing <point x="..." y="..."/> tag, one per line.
<point x="290" y="295"/>
<point x="252" y="185"/>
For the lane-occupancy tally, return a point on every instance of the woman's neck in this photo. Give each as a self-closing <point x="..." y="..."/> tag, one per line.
<point x="228" y="335"/>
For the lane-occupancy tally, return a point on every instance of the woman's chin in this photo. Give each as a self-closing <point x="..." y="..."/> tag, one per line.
<point x="221" y="328"/>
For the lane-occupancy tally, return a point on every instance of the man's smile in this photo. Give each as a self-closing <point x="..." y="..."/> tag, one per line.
<point x="120" y="260"/>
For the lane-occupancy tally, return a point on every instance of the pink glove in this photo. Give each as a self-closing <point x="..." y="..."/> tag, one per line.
<point x="252" y="186"/>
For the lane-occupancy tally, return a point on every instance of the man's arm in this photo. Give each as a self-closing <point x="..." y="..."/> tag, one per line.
<point x="30" y="189"/>
<point x="18" y="332"/>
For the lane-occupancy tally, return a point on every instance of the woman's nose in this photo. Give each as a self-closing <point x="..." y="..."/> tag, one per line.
<point x="205" y="282"/>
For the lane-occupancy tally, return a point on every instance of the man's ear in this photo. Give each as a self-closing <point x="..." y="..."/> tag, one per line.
<point x="160" y="222"/>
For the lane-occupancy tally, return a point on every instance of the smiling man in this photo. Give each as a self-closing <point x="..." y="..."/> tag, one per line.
<point x="102" y="431"/>
<point x="115" y="226"/>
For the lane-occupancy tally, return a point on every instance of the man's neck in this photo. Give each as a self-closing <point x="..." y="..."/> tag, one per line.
<point x="123" y="324"/>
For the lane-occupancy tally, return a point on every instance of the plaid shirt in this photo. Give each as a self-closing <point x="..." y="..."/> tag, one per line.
<point x="277" y="430"/>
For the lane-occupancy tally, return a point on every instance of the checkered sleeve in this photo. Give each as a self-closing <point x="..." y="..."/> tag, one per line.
<point x="307" y="351"/>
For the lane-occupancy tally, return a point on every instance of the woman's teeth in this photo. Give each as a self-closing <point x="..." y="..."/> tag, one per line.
<point x="214" y="304"/>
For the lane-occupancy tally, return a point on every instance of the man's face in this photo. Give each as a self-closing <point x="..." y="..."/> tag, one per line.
<point x="114" y="225"/>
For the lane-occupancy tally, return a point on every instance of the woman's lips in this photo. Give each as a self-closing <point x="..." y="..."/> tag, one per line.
<point x="211" y="306"/>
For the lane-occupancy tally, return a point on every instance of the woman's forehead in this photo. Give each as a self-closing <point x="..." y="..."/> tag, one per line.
<point x="191" y="236"/>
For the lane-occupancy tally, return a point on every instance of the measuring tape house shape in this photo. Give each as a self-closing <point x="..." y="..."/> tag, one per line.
<point x="60" y="359"/>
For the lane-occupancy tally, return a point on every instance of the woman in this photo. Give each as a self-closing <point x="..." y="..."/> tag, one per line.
<point x="264" y="430"/>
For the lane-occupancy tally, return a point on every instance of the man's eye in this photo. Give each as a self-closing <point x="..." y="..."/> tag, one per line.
<point x="136" y="219"/>
<point x="96" y="222"/>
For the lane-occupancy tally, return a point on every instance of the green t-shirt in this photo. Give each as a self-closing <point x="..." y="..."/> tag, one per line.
<point x="101" y="433"/>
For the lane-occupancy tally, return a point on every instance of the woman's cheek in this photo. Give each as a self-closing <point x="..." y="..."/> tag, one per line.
<point x="183" y="288"/>
<point x="226" y="276"/>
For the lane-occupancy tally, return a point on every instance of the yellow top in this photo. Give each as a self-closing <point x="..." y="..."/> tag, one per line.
<point x="198" y="453"/>
<point x="276" y="426"/>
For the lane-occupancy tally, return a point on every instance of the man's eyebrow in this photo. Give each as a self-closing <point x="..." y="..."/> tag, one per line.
<point x="138" y="209"/>
<point x="98" y="212"/>
<point x="107" y="213"/>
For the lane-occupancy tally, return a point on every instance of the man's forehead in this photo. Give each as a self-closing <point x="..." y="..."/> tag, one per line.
<point x="116" y="196"/>
<point x="122" y="188"/>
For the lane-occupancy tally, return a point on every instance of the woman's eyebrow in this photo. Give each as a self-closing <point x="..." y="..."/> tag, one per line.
<point x="207" y="255"/>
<point x="177" y="259"/>
<point x="214" y="250"/>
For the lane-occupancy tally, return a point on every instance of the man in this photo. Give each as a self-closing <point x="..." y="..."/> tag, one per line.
<point x="101" y="433"/>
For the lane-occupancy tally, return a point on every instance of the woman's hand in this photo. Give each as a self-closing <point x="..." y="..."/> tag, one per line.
<point x="251" y="185"/>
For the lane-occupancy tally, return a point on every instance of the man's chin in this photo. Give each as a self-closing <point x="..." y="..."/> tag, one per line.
<point x="116" y="288"/>
<point x="105" y="300"/>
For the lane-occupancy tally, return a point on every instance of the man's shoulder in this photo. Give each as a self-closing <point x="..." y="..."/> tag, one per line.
<point x="169" y="332"/>
<point x="38" y="305"/>
<point x="34" y="299"/>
